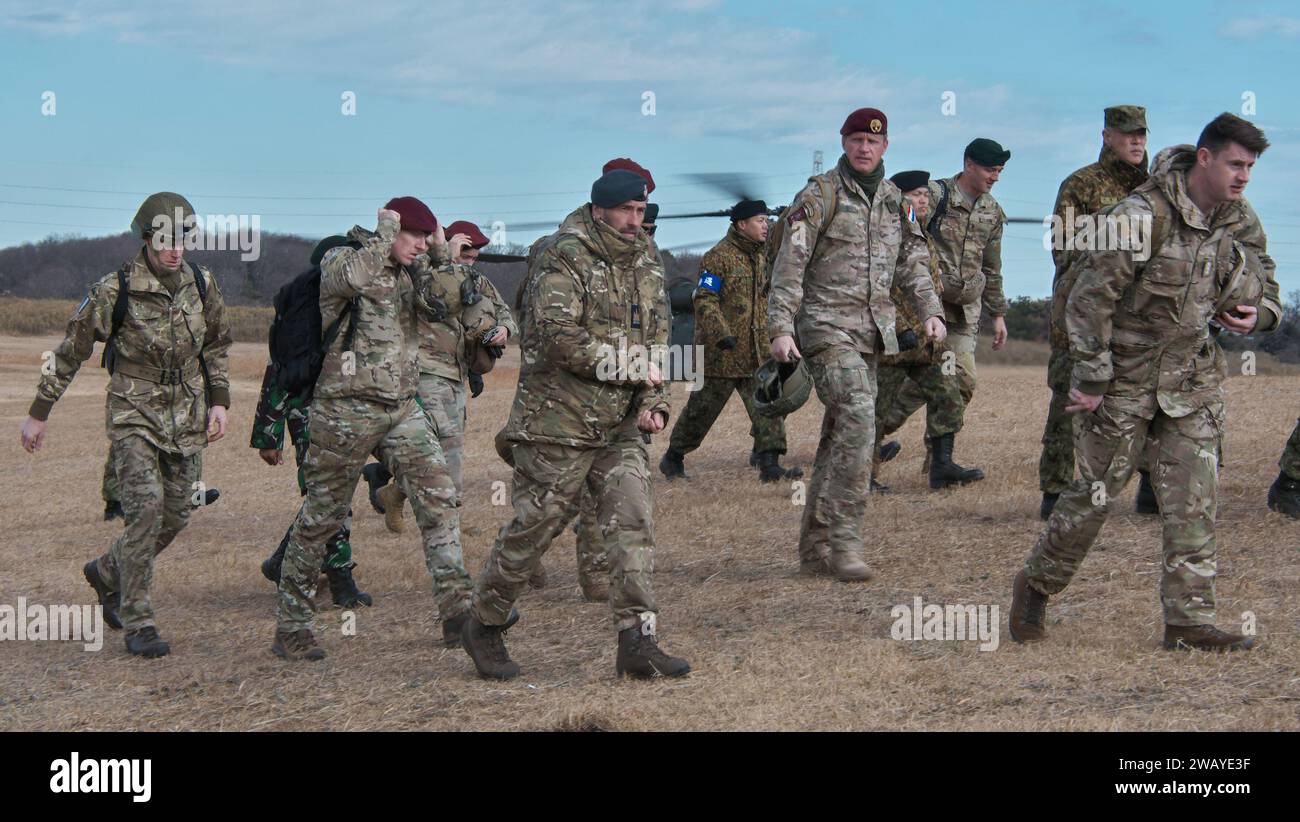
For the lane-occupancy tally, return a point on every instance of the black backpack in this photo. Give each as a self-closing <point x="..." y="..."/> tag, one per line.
<point x="108" y="360"/>
<point x="299" y="340"/>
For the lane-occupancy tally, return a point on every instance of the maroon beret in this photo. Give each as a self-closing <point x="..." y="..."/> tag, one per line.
<point x="870" y="120"/>
<point x="416" y="216"/>
<point x="631" y="165"/>
<point x="477" y="239"/>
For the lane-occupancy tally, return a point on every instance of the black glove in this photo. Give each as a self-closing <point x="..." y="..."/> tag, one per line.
<point x="727" y="343"/>
<point x="475" y="384"/>
<point x="907" y="340"/>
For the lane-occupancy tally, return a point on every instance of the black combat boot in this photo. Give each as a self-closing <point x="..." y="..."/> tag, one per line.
<point x="753" y="459"/>
<point x="1284" y="496"/>
<point x="770" y="470"/>
<point x="486" y="645"/>
<point x="343" y="588"/>
<point x="1146" y="498"/>
<point x="271" y="565"/>
<point x="639" y="656"/>
<point x="672" y="466"/>
<point x="890" y="450"/>
<point x="113" y="510"/>
<point x="109" y="600"/>
<point x="943" y="471"/>
<point x="376" y="477"/>
<point x="209" y="496"/>
<point x="146" y="643"/>
<point x="878" y="487"/>
<point x="1046" y="506"/>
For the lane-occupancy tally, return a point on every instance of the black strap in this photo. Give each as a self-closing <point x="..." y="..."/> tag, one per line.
<point x="202" y="286"/>
<point x="332" y="332"/>
<point x="940" y="209"/>
<point x="109" y="356"/>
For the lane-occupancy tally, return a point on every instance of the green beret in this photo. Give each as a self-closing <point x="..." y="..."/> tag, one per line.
<point x="1126" y="118"/>
<point x="617" y="187"/>
<point x="987" y="153"/>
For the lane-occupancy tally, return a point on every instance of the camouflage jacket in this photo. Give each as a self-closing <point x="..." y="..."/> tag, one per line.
<point x="387" y="302"/>
<point x="1139" y="330"/>
<point x="730" y="301"/>
<point x="590" y="294"/>
<point x="969" y="240"/>
<point x="1086" y="191"/>
<point x="157" y="389"/>
<point x="834" y="289"/>
<point x="442" y="341"/>
<point x="276" y="410"/>
<point x="927" y="351"/>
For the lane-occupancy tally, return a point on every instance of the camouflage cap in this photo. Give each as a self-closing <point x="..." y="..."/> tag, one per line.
<point x="158" y="213"/>
<point x="1126" y="118"/>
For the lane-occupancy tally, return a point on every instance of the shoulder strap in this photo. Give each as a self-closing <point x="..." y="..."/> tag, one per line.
<point x="830" y="199"/>
<point x="1161" y="214"/>
<point x="119" y="316"/>
<point x="940" y="209"/>
<point x="201" y="284"/>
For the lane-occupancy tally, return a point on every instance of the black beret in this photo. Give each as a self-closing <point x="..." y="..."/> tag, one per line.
<point x="745" y="209"/>
<point x="617" y="187"/>
<point x="908" y="180"/>
<point x="318" y="253"/>
<point x="986" y="152"/>
<point x="651" y="212"/>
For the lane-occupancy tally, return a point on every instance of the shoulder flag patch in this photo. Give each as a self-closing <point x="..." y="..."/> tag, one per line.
<point x="911" y="214"/>
<point x="798" y="214"/>
<point x="710" y="282"/>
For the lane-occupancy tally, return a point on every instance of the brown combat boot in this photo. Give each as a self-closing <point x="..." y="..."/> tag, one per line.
<point x="1028" y="610"/>
<point x="848" y="566"/>
<point x="393" y="501"/>
<point x="1204" y="638"/>
<point x="486" y="646"/>
<point x="299" y="644"/>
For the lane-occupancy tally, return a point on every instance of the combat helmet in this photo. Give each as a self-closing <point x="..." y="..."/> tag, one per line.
<point x="782" y="387"/>
<point x="1242" y="284"/>
<point x="159" y="212"/>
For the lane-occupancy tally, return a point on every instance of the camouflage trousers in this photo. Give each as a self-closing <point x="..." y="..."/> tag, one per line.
<point x="945" y="409"/>
<point x="837" y="495"/>
<point x="1185" y="478"/>
<point x="108" y="486"/>
<point x="444" y="400"/>
<point x="704" y="406"/>
<point x="156" y="490"/>
<point x="344" y="431"/>
<point x="959" y="359"/>
<point x="548" y="481"/>
<point x="593" y="561"/>
<point x="1290" y="461"/>
<point x="1056" y="463"/>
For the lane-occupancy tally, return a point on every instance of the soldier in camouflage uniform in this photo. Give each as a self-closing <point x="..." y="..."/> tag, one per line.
<point x="730" y="324"/>
<point x="167" y="399"/>
<point x="920" y="360"/>
<point x="831" y="282"/>
<point x="968" y="237"/>
<point x="1284" y="494"/>
<point x="577" y="422"/>
<point x="1144" y="359"/>
<point x="1121" y="168"/>
<point x="366" y="401"/>
<point x="445" y="354"/>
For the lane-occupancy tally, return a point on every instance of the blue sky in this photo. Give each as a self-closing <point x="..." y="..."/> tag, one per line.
<point x="505" y="110"/>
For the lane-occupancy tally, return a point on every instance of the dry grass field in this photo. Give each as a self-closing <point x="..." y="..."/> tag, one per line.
<point x="769" y="649"/>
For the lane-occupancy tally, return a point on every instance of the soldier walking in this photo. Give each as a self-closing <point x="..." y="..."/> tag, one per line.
<point x="166" y="345"/>
<point x="1144" y="359"/>
<point x="730" y="322"/>
<point x="845" y="245"/>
